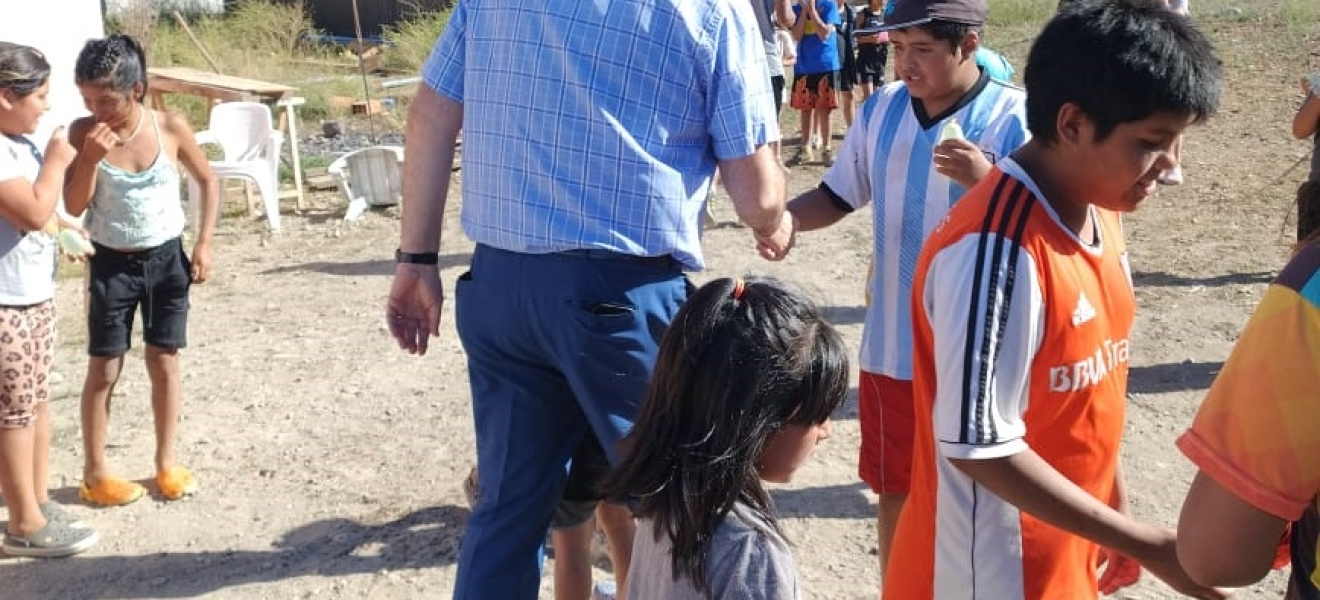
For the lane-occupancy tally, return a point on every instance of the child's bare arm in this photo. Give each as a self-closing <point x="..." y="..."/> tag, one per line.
<point x="784" y="13"/>
<point x="1026" y="481"/>
<point x="30" y="204"/>
<point x="93" y="140"/>
<point x="1308" y="116"/>
<point x="815" y="209"/>
<point x="788" y="50"/>
<point x="199" y="168"/>
<point x="1222" y="539"/>
<point x="799" y="25"/>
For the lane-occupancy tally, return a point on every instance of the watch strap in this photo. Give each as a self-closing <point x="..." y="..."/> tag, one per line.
<point x="416" y="258"/>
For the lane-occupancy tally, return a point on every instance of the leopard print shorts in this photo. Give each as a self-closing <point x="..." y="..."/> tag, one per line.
<point x="27" y="348"/>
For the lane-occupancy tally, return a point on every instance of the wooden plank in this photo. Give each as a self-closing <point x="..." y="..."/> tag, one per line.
<point x="175" y="86"/>
<point x="224" y="87"/>
<point x="321" y="182"/>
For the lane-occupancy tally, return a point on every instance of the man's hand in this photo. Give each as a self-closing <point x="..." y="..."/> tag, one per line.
<point x="774" y="245"/>
<point x="961" y="161"/>
<point x="413" y="310"/>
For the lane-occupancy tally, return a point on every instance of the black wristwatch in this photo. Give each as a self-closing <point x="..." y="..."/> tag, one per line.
<point x="416" y="258"/>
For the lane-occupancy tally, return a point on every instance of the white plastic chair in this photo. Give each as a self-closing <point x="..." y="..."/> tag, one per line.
<point x="251" y="150"/>
<point x="369" y="177"/>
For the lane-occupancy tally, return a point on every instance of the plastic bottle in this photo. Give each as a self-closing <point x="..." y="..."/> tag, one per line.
<point x="74" y="243"/>
<point x="951" y="131"/>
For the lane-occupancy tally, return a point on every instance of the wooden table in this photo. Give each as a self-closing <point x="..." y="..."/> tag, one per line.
<point x="224" y="88"/>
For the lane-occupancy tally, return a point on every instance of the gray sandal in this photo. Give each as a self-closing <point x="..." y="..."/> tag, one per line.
<point x="56" y="513"/>
<point x="55" y="540"/>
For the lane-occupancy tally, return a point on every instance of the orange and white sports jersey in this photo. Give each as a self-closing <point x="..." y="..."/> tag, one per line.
<point x="1020" y="336"/>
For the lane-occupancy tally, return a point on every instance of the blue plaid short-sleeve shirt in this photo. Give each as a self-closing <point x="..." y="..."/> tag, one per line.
<point x="598" y="123"/>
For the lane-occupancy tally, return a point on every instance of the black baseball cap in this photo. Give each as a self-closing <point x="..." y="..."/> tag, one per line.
<point x="909" y="13"/>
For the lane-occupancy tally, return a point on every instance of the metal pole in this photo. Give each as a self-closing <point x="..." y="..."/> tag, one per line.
<point x="362" y="66"/>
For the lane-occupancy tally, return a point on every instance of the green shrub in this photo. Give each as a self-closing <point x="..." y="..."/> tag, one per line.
<point x="411" y="40"/>
<point x="270" y="27"/>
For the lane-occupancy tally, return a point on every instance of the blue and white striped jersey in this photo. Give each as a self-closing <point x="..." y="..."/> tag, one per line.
<point x="887" y="159"/>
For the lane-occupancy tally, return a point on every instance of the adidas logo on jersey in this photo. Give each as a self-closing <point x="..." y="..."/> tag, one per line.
<point x="1084" y="311"/>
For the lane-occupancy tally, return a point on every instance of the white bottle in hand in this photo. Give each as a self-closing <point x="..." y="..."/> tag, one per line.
<point x="951" y="131"/>
<point x="74" y="243"/>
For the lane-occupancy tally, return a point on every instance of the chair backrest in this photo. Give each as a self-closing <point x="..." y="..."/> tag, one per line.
<point x="241" y="128"/>
<point x="374" y="174"/>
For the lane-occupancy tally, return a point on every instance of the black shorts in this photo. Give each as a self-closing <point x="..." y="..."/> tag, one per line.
<point x="578" y="502"/>
<point x="777" y="86"/>
<point x="847" y="74"/>
<point x="157" y="279"/>
<point x="1308" y="209"/>
<point x="871" y="59"/>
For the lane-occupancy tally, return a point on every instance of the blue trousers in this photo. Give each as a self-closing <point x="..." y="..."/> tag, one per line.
<point x="556" y="343"/>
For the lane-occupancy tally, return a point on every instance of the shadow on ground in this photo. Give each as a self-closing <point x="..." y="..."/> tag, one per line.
<point x="328" y="548"/>
<point x="382" y="266"/>
<point x="847" y="501"/>
<point x="1161" y="279"/>
<point x="844" y="315"/>
<point x="1172" y="377"/>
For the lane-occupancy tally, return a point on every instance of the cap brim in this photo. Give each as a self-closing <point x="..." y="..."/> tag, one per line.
<point x="890" y="27"/>
<point x="883" y="27"/>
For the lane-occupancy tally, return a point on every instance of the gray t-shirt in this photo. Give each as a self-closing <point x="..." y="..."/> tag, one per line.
<point x="746" y="560"/>
<point x="27" y="258"/>
<point x="765" y="19"/>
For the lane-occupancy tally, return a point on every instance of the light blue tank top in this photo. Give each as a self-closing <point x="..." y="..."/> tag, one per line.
<point x="136" y="211"/>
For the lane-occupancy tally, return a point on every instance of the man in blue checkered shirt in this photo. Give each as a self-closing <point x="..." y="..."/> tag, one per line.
<point x="591" y="132"/>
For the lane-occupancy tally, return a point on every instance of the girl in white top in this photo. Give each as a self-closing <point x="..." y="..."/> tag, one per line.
<point x="744" y="385"/>
<point x="29" y="191"/>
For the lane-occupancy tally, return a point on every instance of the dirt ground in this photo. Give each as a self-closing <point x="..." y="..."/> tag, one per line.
<point x="330" y="463"/>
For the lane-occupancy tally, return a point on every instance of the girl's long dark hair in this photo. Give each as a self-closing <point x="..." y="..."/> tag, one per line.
<point x="730" y="373"/>
<point x="23" y="69"/>
<point x="116" y="62"/>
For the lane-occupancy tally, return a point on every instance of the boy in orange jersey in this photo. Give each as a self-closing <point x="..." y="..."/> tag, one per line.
<point x="1022" y="305"/>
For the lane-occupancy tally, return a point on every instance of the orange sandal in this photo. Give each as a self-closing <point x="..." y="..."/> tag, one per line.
<point x="111" y="491"/>
<point x="176" y="482"/>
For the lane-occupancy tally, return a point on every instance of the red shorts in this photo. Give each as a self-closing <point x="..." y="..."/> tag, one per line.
<point x="815" y="91"/>
<point x="884" y="407"/>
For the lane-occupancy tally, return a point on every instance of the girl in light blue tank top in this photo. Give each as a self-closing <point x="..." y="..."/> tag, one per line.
<point x="127" y="182"/>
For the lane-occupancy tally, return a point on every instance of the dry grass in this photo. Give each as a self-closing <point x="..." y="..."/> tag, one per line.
<point x="269" y="41"/>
